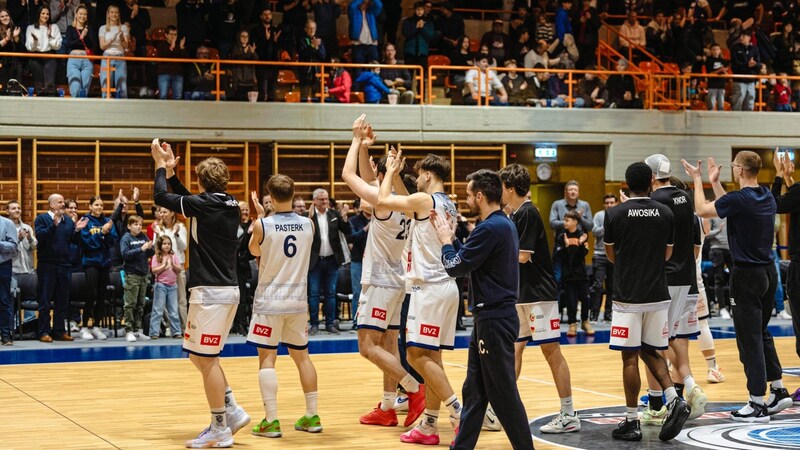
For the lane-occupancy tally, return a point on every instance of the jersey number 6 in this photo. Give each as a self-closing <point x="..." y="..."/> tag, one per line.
<point x="289" y="248"/>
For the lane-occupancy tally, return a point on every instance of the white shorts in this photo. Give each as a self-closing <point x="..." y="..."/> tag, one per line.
<point x="688" y="325"/>
<point x="432" y="314"/>
<point x="539" y="322"/>
<point x="207" y="328"/>
<point x="702" y="305"/>
<point x="269" y="330"/>
<point x="678" y="306"/>
<point x="631" y="330"/>
<point x="379" y="308"/>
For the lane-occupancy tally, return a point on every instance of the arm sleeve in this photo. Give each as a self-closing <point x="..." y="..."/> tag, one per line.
<point x="598" y="229"/>
<point x="527" y="230"/>
<point x="555" y="222"/>
<point x="29" y="38"/>
<point x="586" y="220"/>
<point x="608" y="235"/>
<point x="724" y="205"/>
<point x="788" y="202"/>
<point x="180" y="239"/>
<point x="8" y="246"/>
<point x="471" y="255"/>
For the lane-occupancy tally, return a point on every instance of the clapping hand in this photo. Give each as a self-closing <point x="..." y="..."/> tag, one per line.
<point x="360" y="127"/>
<point x="81" y="224"/>
<point x="107" y="227"/>
<point x="257" y="205"/>
<point x="693" y="171"/>
<point x="445" y="228"/>
<point x="713" y="171"/>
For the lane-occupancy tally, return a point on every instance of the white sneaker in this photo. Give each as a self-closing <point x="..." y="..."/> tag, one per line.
<point x="97" y="333"/>
<point x="490" y="422"/>
<point x="724" y="314"/>
<point x="715" y="375"/>
<point x="401" y="404"/>
<point x="130" y="337"/>
<point x="784" y="315"/>
<point x="142" y="337"/>
<point x="237" y="419"/>
<point x="73" y="327"/>
<point x="212" y="438"/>
<point x="86" y="335"/>
<point x="697" y="400"/>
<point x="562" y="423"/>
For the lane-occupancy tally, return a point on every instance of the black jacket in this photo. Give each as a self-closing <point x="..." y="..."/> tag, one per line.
<point x="335" y="225"/>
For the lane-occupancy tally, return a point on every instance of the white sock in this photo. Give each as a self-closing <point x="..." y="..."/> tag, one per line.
<point x="409" y="383"/>
<point x="388" y="400"/>
<point x="631" y="413"/>
<point x="230" y="400"/>
<point x="268" y="382"/>
<point x="711" y="362"/>
<point x="746" y="409"/>
<point x="428" y="423"/>
<point x="777" y="384"/>
<point x="670" y="393"/>
<point x="689" y="384"/>
<point x="567" y="406"/>
<point x="218" y="419"/>
<point x="454" y="406"/>
<point x="311" y="404"/>
<point x="757" y="399"/>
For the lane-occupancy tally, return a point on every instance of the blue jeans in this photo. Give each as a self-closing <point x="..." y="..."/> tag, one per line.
<point x="778" y="292"/>
<point x="364" y="53"/>
<point x="79" y="76"/>
<point x="166" y="80"/>
<point x="322" y="283"/>
<point x="783" y="108"/>
<point x="120" y="75"/>
<point x="355" y="282"/>
<point x="165" y="294"/>
<point x="6" y="304"/>
<point x="744" y="96"/>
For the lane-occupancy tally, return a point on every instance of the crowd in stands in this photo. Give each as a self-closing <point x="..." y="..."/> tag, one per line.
<point x="542" y="34"/>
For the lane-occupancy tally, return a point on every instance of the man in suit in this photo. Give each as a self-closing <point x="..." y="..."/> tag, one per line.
<point x="55" y="230"/>
<point x="327" y="254"/>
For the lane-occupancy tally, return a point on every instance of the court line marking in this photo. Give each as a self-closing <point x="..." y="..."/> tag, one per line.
<point x="550" y="383"/>
<point x="59" y="413"/>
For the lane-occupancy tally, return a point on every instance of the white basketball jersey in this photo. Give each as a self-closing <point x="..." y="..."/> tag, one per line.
<point x="383" y="256"/>
<point x="424" y="264"/>
<point x="283" y="271"/>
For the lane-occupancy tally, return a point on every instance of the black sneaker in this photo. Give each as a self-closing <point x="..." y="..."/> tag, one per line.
<point x="628" y="430"/>
<point x="8" y="342"/>
<point x="677" y="413"/>
<point x="782" y="400"/>
<point x="759" y="414"/>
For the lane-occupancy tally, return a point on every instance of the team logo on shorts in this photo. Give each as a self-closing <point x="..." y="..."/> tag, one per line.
<point x="261" y="330"/>
<point x="619" y="332"/>
<point x="665" y="331"/>
<point x="555" y="324"/>
<point x="429" y="330"/>
<point x="712" y="430"/>
<point x="210" y="339"/>
<point x="379" y="314"/>
<point x="693" y="319"/>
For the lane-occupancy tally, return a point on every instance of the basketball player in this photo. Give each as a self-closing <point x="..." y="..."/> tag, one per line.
<point x="537" y="305"/>
<point x="383" y="283"/>
<point x="751" y="216"/>
<point x="280" y="304"/>
<point x="434" y="296"/>
<point x="705" y="340"/>
<point x="214" y="233"/>
<point x="639" y="235"/>
<point x="681" y="277"/>
<point x="488" y="258"/>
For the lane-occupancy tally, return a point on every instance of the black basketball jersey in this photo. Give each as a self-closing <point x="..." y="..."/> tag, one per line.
<point x="681" y="267"/>
<point x="536" y="279"/>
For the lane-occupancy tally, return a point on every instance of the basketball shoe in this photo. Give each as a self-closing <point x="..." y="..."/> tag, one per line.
<point x="309" y="424"/>
<point x="653" y="418"/>
<point x="212" y="438"/>
<point x="697" y="400"/>
<point x="562" y="423"/>
<point x="751" y="412"/>
<point x="628" y="430"/>
<point x="268" y="429"/>
<point x="401" y="403"/>
<point x="779" y="400"/>
<point x="416" y="406"/>
<point x="237" y="419"/>
<point x="416" y="436"/>
<point x="379" y="417"/>
<point x="677" y="413"/>
<point x="796" y="397"/>
<point x="715" y="375"/>
<point x="490" y="422"/>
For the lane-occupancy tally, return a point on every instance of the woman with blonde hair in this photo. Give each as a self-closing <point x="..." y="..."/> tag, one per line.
<point x="80" y="41"/>
<point x="168" y="225"/>
<point x="114" y="39"/>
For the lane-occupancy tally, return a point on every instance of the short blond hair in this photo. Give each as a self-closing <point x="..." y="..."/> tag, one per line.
<point x="750" y="161"/>
<point x="281" y="188"/>
<point x="213" y="175"/>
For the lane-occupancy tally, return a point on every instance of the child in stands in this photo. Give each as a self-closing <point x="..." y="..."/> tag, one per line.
<point x="165" y="266"/>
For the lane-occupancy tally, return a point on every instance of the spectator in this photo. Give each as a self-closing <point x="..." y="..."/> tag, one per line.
<point x="55" y="231"/>
<point x="80" y="41"/>
<point x="325" y="14"/>
<point x="225" y="21"/>
<point x="544" y="29"/>
<point x="120" y="219"/>
<point x="587" y="28"/>
<point x="716" y="65"/>
<point x="62" y="15"/>
<point x="9" y="43"/>
<point x="265" y="45"/>
<point x="170" y="75"/>
<point x="521" y="46"/>
<point x="138" y="21"/>
<point x="266" y="203"/>
<point x="363" y="29"/>
<point x="782" y="94"/>
<point x="622" y="89"/>
<point x="191" y="15"/>
<point x="633" y="37"/>
<point x="537" y="87"/>
<point x="449" y="29"/>
<point x="558" y="211"/>
<point x="745" y="60"/>
<point x="75" y="262"/>
<point x="339" y="84"/>
<point x="114" y="38"/>
<point x="475" y="83"/>
<point x="397" y="78"/>
<point x="8" y="251"/>
<point x="418" y="33"/>
<point x="165" y="267"/>
<point x="201" y="77"/>
<point x="244" y="75"/>
<point x="310" y="49"/>
<point x="484" y="51"/>
<point x="784" y="48"/>
<point x="22" y="262"/>
<point x="557" y="90"/>
<point x="97" y="238"/>
<point x="168" y="225"/>
<point x="591" y="92"/>
<point x="573" y="275"/>
<point x="656" y="34"/>
<point x="151" y="229"/>
<point x="721" y="263"/>
<point x="539" y="56"/>
<point x="563" y="23"/>
<point x="294" y="20"/>
<point x="742" y="10"/>
<point x="373" y="85"/>
<point x="678" y="39"/>
<point x="602" y="268"/>
<point x="43" y="37"/>
<point x="243" y="272"/>
<point x="299" y="206"/>
<point x="327" y="254"/>
<point x="359" y="225"/>
<point x="497" y="41"/>
<point x="515" y="85"/>
<point x="136" y="251"/>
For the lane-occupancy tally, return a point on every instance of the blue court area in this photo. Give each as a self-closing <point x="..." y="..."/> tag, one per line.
<point x="34" y="352"/>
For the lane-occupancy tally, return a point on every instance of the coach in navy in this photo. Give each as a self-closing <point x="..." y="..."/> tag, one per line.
<point x="489" y="257"/>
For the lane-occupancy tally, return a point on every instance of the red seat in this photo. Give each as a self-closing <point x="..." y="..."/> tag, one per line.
<point x="213" y="53"/>
<point x="438" y="60"/>
<point x="287" y="77"/>
<point x="649" y="66"/>
<point x="672" y="68"/>
<point x="158" y="35"/>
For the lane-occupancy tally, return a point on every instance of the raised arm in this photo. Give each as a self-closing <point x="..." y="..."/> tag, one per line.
<point x="255" y="239"/>
<point x="703" y="209"/>
<point x="359" y="185"/>
<point x="410" y="204"/>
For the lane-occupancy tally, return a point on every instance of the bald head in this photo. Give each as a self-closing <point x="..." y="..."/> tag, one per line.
<point x="56" y="202"/>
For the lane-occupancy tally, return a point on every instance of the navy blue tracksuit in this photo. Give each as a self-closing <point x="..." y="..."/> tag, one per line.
<point x="490" y="257"/>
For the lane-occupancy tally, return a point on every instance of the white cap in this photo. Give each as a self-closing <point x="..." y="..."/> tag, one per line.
<point x="660" y="165"/>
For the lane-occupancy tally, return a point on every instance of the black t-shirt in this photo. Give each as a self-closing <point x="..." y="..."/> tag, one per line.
<point x="574" y="268"/>
<point x="751" y="224"/>
<point x="640" y="231"/>
<point x="713" y="64"/>
<point x="536" y="280"/>
<point x="681" y="267"/>
<point x="740" y="9"/>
